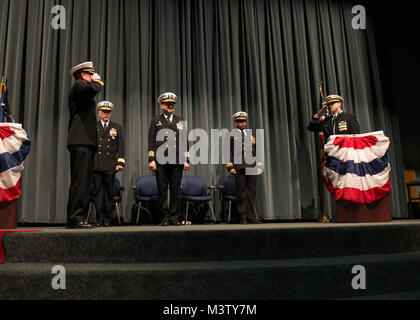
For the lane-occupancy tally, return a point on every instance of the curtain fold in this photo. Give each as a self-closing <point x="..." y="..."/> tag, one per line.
<point x="218" y="56"/>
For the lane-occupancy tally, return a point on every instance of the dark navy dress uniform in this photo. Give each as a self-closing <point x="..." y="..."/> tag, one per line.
<point x="168" y="173"/>
<point x="110" y="153"/>
<point x="81" y="143"/>
<point x="246" y="185"/>
<point x="342" y="123"/>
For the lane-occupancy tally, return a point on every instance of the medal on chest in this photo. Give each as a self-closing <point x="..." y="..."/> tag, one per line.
<point x="113" y="133"/>
<point x="342" y="126"/>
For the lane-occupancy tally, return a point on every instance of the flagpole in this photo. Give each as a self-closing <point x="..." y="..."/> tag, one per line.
<point x="324" y="218"/>
<point x="2" y="97"/>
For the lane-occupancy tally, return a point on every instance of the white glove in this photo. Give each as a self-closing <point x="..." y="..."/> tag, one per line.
<point x="96" y="76"/>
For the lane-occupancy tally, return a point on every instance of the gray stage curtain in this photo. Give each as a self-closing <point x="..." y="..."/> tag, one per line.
<point x="219" y="56"/>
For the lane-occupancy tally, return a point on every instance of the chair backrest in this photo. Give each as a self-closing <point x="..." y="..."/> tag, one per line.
<point x="229" y="185"/>
<point x="146" y="186"/>
<point x="193" y="186"/>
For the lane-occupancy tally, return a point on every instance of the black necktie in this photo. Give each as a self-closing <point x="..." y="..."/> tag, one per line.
<point x="105" y="125"/>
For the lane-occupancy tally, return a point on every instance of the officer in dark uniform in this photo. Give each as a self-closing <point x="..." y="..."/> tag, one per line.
<point x="169" y="157"/>
<point x="109" y="159"/>
<point x="338" y="122"/>
<point x="246" y="184"/>
<point x="81" y="141"/>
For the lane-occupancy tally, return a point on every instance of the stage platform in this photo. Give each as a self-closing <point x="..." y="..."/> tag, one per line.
<point x="269" y="261"/>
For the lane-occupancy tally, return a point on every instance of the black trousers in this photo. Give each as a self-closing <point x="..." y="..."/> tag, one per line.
<point x="81" y="170"/>
<point x="169" y="174"/>
<point x="103" y="182"/>
<point x="246" y="187"/>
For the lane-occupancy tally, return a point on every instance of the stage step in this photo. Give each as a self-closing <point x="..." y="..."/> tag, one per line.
<point x="208" y="243"/>
<point x="223" y="262"/>
<point x="315" y="278"/>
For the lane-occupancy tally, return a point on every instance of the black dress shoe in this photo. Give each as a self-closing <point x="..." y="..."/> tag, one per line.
<point x="164" y="223"/>
<point x="80" y="225"/>
<point x="243" y="222"/>
<point x="107" y="224"/>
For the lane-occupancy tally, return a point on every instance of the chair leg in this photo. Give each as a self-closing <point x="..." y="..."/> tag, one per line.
<point x="88" y="215"/>
<point x="256" y="214"/>
<point x="138" y="213"/>
<point x="186" y="214"/>
<point x="118" y="213"/>
<point x="212" y="211"/>
<point x="230" y="211"/>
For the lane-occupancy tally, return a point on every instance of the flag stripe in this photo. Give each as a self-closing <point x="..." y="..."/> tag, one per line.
<point x="12" y="193"/>
<point x="350" y="180"/>
<point x="10" y="177"/>
<point x="361" y="169"/>
<point x="368" y="154"/>
<point x="8" y="160"/>
<point x="364" y="197"/>
<point x="355" y="142"/>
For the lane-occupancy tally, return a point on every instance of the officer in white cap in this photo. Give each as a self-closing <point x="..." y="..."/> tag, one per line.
<point x="109" y="159"/>
<point x="337" y="122"/>
<point x="81" y="141"/>
<point x="168" y="173"/>
<point x="246" y="185"/>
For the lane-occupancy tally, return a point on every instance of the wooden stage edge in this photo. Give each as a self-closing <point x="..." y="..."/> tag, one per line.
<point x="221" y="227"/>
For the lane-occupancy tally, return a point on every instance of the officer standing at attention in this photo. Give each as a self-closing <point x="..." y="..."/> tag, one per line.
<point x="338" y="122"/>
<point x="168" y="173"/>
<point x="109" y="159"/>
<point x="81" y="141"/>
<point x="246" y="185"/>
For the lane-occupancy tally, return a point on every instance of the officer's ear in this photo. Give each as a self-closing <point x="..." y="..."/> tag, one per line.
<point x="86" y="76"/>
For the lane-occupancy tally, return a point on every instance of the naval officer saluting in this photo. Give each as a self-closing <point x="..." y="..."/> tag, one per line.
<point x="81" y="141"/>
<point x="339" y="123"/>
<point x="109" y="159"/>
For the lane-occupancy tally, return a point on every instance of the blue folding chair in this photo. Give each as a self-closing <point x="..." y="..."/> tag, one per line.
<point x="227" y="188"/>
<point x="194" y="190"/>
<point x="145" y="191"/>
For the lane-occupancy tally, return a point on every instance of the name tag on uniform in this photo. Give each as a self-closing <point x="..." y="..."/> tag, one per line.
<point x="158" y="124"/>
<point x="342" y="126"/>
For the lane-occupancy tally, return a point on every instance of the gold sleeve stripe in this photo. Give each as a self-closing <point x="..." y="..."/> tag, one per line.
<point x="187" y="154"/>
<point x="102" y="84"/>
<point x="121" y="160"/>
<point x="151" y="153"/>
<point x="315" y="121"/>
<point x="230" y="164"/>
<point x="259" y="163"/>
